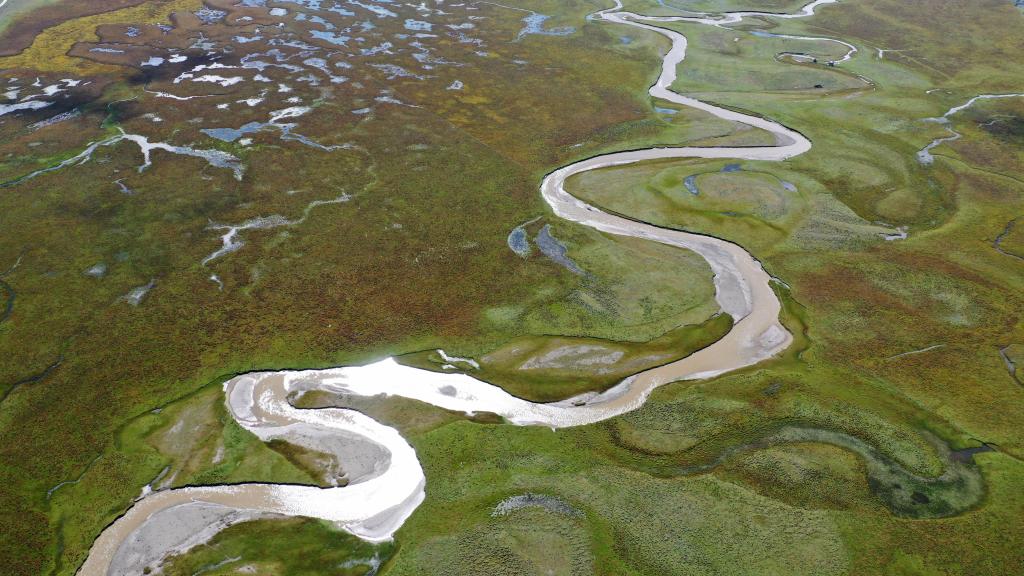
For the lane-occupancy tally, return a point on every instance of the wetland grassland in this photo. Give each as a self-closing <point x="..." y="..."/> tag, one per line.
<point x="901" y="282"/>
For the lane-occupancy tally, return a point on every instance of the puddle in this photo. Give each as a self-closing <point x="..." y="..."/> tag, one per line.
<point x="137" y="294"/>
<point x="556" y="251"/>
<point x="518" y="241"/>
<point x="690" y="182"/>
<point x="534" y="24"/>
<point x="531" y="500"/>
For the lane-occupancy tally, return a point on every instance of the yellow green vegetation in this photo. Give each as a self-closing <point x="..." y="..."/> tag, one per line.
<point x="311" y="546"/>
<point x="49" y="50"/>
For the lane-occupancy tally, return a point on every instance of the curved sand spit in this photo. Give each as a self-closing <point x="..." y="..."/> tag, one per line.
<point x="385" y="480"/>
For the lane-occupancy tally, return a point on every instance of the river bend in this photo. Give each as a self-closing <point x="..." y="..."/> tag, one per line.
<point x="385" y="479"/>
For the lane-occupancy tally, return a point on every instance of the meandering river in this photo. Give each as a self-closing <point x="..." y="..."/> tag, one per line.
<point x="386" y="482"/>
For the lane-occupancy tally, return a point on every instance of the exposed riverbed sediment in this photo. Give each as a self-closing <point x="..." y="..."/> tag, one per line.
<point x="387" y="483"/>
